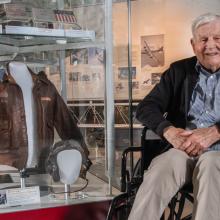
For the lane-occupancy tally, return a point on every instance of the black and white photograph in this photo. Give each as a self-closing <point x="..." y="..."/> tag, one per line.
<point x="86" y="82"/>
<point x="123" y="72"/>
<point x="152" y="51"/>
<point x="3" y="198"/>
<point x="95" y="56"/>
<point x="79" y="56"/>
<point x="155" y="78"/>
<point x="135" y="85"/>
<point x="78" y="76"/>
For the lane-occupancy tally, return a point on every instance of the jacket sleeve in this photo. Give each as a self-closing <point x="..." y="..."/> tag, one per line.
<point x="65" y="123"/>
<point x="152" y="108"/>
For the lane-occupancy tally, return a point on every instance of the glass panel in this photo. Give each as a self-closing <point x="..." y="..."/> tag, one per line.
<point x="121" y="84"/>
<point x="85" y="84"/>
<point x="62" y="41"/>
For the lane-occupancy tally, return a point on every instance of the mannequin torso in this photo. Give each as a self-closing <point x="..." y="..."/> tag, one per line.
<point x="23" y="78"/>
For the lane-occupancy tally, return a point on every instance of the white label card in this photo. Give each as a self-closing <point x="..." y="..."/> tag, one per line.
<point x="23" y="196"/>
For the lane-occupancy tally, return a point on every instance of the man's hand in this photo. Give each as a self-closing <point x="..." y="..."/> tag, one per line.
<point x="174" y="137"/>
<point x="199" y="140"/>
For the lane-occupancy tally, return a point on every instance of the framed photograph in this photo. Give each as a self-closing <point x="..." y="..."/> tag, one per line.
<point x="123" y="72"/>
<point x="95" y="56"/>
<point x="152" y="51"/>
<point x="3" y="198"/>
<point x="79" y="56"/>
<point x="135" y="85"/>
<point x="86" y="82"/>
<point x="44" y="15"/>
<point x="155" y="78"/>
<point x="15" y="11"/>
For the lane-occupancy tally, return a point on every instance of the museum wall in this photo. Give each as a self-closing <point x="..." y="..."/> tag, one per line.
<point x="160" y="32"/>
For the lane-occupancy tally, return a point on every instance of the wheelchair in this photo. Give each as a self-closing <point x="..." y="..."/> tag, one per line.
<point x="132" y="172"/>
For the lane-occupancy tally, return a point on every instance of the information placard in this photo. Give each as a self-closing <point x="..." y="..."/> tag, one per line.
<point x="20" y="196"/>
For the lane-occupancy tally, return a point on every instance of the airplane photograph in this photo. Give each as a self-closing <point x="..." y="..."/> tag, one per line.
<point x="152" y="51"/>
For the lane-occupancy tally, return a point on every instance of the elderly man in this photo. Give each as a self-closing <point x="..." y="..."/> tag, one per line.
<point x="189" y="94"/>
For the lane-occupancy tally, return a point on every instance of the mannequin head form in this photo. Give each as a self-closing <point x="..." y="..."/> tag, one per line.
<point x="69" y="163"/>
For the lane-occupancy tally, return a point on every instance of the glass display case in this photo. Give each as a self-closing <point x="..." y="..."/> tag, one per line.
<point x="62" y="45"/>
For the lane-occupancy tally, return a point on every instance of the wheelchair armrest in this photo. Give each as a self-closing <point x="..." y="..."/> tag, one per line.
<point x="125" y="175"/>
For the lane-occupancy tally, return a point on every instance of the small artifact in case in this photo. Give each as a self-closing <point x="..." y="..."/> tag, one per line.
<point x="65" y="16"/>
<point x="15" y="12"/>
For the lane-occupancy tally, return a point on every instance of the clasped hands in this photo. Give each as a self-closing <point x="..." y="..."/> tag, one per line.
<point x="193" y="142"/>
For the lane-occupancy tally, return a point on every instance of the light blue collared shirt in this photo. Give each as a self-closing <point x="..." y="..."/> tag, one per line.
<point x="205" y="101"/>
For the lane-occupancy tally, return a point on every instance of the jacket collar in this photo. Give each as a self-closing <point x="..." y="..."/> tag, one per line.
<point x="9" y="78"/>
<point x="190" y="80"/>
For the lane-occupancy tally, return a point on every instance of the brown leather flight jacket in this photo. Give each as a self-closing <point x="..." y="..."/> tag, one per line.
<point x="51" y="112"/>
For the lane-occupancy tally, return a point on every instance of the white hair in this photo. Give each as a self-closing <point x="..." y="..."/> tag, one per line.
<point x="203" y="19"/>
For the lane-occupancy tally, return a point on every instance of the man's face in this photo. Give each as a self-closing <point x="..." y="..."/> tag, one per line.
<point x="206" y="45"/>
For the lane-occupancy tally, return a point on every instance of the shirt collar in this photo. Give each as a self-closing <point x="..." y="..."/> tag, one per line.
<point x="200" y="69"/>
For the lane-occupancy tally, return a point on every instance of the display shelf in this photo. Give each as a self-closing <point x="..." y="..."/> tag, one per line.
<point x="43" y="45"/>
<point x="54" y="206"/>
<point x="35" y="31"/>
<point x="19" y="39"/>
